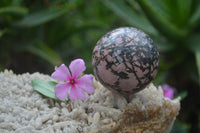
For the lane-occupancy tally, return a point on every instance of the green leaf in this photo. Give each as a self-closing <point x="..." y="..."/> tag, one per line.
<point x="195" y="18"/>
<point x="46" y="88"/>
<point x="160" y="6"/>
<point x="182" y="95"/>
<point x="193" y="44"/>
<point x="14" y="10"/>
<point x="197" y="55"/>
<point x="2" y="32"/>
<point x="184" y="7"/>
<point x="179" y="11"/>
<point x="45" y="16"/>
<point x="45" y="52"/>
<point x="133" y="18"/>
<point x="17" y="2"/>
<point x="74" y="29"/>
<point x="159" y="21"/>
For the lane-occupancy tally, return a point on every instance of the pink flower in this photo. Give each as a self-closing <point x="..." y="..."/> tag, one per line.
<point x="73" y="85"/>
<point x="168" y="91"/>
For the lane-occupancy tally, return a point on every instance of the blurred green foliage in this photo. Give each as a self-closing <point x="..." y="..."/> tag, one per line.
<point x="37" y="35"/>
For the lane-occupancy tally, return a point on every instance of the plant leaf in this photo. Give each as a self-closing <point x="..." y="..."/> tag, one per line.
<point x="45" y="52"/>
<point x="195" y="18"/>
<point x="182" y="94"/>
<point x="162" y="24"/>
<point x="133" y="18"/>
<point x="179" y="11"/>
<point x="3" y="32"/>
<point x="14" y="10"/>
<point x="197" y="55"/>
<point x="46" y="88"/>
<point x="45" y="16"/>
<point x="193" y="44"/>
<point x="184" y="10"/>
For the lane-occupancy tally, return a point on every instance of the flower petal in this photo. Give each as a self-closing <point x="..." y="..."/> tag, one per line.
<point x="168" y="91"/>
<point x="86" y="83"/>
<point x="76" y="93"/>
<point x="61" y="90"/>
<point x="169" y="94"/>
<point x="77" y="66"/>
<point x="61" y="73"/>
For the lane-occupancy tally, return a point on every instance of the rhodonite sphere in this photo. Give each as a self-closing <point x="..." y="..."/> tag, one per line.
<point x="125" y="60"/>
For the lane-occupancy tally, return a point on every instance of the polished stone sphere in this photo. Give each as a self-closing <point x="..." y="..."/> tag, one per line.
<point x="125" y="60"/>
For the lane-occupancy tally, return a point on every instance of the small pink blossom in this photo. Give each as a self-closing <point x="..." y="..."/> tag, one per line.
<point x="73" y="84"/>
<point x="168" y="91"/>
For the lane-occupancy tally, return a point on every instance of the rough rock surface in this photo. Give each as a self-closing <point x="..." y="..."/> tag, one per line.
<point x="24" y="110"/>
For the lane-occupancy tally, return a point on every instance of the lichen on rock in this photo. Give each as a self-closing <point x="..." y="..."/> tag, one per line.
<point x="23" y="109"/>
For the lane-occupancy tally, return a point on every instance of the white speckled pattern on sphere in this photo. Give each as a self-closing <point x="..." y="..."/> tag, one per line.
<point x="125" y="60"/>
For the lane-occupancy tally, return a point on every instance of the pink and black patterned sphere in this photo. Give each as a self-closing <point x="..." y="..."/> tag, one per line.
<point x="125" y="60"/>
